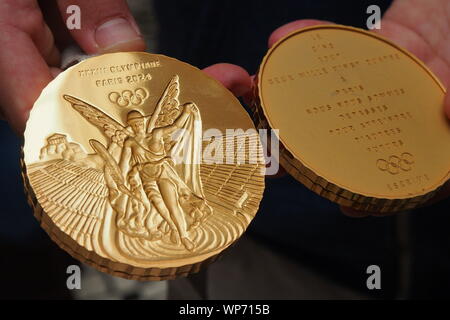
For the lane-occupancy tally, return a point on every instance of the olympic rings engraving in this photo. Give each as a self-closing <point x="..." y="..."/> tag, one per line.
<point x="396" y="164"/>
<point x="129" y="98"/>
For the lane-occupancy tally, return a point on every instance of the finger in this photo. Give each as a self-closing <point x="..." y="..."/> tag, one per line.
<point x="405" y="38"/>
<point x="27" y="17"/>
<point x="56" y="23"/>
<point x="400" y="25"/>
<point x="106" y="26"/>
<point x="26" y="45"/>
<point x="249" y="96"/>
<point x="45" y="43"/>
<point x="55" y="72"/>
<point x="233" y="77"/>
<point x="291" y="27"/>
<point x="24" y="75"/>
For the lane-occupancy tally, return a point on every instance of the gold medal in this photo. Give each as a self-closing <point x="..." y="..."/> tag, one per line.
<point x="360" y="120"/>
<point x="141" y="165"/>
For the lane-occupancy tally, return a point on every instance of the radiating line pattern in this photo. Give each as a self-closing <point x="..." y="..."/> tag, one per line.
<point x="74" y="197"/>
<point x="76" y="200"/>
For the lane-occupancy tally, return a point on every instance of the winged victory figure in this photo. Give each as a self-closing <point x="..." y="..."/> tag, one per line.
<point x="152" y="167"/>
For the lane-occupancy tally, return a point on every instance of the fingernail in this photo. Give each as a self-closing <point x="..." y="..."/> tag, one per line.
<point x="115" y="33"/>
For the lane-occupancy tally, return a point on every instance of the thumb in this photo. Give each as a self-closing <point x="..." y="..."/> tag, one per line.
<point x="106" y="26"/>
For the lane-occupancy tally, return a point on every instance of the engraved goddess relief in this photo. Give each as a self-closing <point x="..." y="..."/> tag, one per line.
<point x="141" y="197"/>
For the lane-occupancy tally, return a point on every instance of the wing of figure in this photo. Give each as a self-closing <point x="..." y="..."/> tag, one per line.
<point x="111" y="128"/>
<point x="168" y="107"/>
<point x="101" y="120"/>
<point x="184" y="148"/>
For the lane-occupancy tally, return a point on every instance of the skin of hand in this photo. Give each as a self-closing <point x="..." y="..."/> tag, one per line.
<point x="32" y="33"/>
<point x="421" y="27"/>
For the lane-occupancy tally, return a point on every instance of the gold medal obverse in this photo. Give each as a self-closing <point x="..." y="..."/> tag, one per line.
<point x="140" y="165"/>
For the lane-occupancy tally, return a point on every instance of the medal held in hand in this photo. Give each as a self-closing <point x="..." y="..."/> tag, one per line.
<point x="360" y="120"/>
<point x="141" y="165"/>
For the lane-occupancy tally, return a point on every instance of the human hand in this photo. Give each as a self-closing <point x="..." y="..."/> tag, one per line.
<point x="31" y="37"/>
<point x="421" y="27"/>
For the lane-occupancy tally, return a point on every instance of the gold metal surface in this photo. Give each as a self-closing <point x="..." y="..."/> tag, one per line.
<point x="360" y="120"/>
<point x="123" y="163"/>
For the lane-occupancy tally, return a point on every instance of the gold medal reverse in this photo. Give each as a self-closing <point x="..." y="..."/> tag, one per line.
<point x="141" y="165"/>
<point x="360" y="120"/>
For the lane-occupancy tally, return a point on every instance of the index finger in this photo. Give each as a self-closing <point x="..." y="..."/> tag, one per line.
<point x="291" y="27"/>
<point x="24" y="74"/>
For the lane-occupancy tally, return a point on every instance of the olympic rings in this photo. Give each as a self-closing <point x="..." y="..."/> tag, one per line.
<point x="396" y="164"/>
